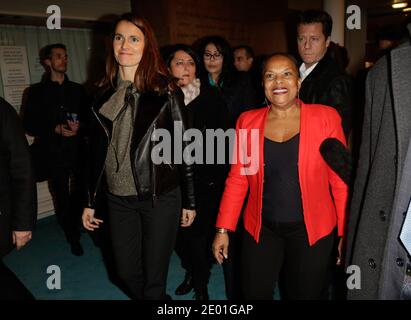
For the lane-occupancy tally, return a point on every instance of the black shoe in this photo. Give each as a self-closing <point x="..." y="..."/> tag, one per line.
<point x="77" y="249"/>
<point x="201" y="294"/>
<point x="186" y="286"/>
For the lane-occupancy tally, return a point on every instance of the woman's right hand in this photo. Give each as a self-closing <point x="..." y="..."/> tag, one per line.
<point x="220" y="247"/>
<point x="89" y="222"/>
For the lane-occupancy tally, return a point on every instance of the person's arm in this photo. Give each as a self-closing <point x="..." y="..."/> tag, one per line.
<point x="236" y="187"/>
<point x="32" y="115"/>
<point x="363" y="167"/>
<point x="339" y="188"/>
<point x="340" y="96"/>
<point x="186" y="171"/>
<point x="22" y="184"/>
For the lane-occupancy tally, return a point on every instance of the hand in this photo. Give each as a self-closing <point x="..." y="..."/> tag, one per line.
<point x="187" y="217"/>
<point x="340" y="257"/>
<point x="74" y="125"/>
<point x="63" y="131"/>
<point x="20" y="238"/>
<point x="89" y="222"/>
<point x="220" y="247"/>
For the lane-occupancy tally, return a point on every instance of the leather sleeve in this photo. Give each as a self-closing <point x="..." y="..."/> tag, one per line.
<point x="186" y="171"/>
<point x="22" y="186"/>
<point x="339" y="96"/>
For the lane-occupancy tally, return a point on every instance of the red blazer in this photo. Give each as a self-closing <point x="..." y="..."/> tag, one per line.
<point x="324" y="194"/>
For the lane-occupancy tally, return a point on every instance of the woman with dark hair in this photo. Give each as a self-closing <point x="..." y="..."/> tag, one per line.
<point x="143" y="193"/>
<point x="296" y="205"/>
<point x="238" y="94"/>
<point x="218" y="71"/>
<point x="207" y="111"/>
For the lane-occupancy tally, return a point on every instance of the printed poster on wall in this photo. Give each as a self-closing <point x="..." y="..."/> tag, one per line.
<point x="15" y="73"/>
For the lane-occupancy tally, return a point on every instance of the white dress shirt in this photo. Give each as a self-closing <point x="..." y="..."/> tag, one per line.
<point x="304" y="72"/>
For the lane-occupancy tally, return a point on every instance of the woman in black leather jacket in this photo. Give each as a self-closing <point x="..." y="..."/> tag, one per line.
<point x="207" y="112"/>
<point x="138" y="173"/>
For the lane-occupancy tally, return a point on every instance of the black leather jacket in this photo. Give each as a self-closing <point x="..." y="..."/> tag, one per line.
<point x="154" y="111"/>
<point x="18" y="199"/>
<point x="328" y="85"/>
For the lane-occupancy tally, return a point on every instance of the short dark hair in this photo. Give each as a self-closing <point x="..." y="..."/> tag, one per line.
<point x="48" y="50"/>
<point x="182" y="47"/>
<point x="248" y="50"/>
<point x="279" y="54"/>
<point x="317" y="16"/>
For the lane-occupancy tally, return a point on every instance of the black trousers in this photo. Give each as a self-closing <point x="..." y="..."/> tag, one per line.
<point x="194" y="243"/>
<point x="143" y="239"/>
<point x="10" y="286"/>
<point x="65" y="183"/>
<point x="284" y="256"/>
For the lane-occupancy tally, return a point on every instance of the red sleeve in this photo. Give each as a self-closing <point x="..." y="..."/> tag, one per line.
<point x="339" y="189"/>
<point x="236" y="187"/>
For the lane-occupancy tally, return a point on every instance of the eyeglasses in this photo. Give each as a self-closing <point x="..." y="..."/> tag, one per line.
<point x="215" y="56"/>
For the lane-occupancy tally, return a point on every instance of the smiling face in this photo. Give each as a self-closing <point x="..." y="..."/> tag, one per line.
<point x="312" y="44"/>
<point x="281" y="81"/>
<point x="213" y="60"/>
<point x="183" y="67"/>
<point x="128" y="46"/>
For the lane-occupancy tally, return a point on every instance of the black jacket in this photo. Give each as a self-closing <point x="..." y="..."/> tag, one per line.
<point x="208" y="111"/>
<point x="328" y="85"/>
<point x="154" y="111"/>
<point x="18" y="206"/>
<point x="47" y="105"/>
<point x="237" y="91"/>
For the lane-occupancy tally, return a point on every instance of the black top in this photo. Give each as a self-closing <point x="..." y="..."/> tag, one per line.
<point x="281" y="193"/>
<point x="49" y="104"/>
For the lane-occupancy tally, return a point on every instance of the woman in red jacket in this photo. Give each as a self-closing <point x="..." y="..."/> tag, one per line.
<point x="296" y="205"/>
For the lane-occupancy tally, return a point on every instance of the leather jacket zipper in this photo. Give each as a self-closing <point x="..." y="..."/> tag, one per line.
<point x="153" y="171"/>
<point x="104" y="166"/>
<point x="108" y="143"/>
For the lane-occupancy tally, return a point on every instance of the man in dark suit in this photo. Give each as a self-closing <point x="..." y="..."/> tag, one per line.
<point x="18" y="206"/>
<point x="323" y="80"/>
<point x="382" y="188"/>
<point x="55" y="115"/>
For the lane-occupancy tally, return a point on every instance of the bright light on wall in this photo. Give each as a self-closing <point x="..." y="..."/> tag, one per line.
<point x="407" y="9"/>
<point x="399" y="5"/>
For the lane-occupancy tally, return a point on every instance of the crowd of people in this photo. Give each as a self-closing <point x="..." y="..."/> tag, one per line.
<point x="284" y="219"/>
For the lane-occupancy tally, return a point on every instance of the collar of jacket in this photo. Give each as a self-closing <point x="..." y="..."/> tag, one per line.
<point x="148" y="109"/>
<point x="47" y="80"/>
<point x="118" y="101"/>
<point x="324" y="66"/>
